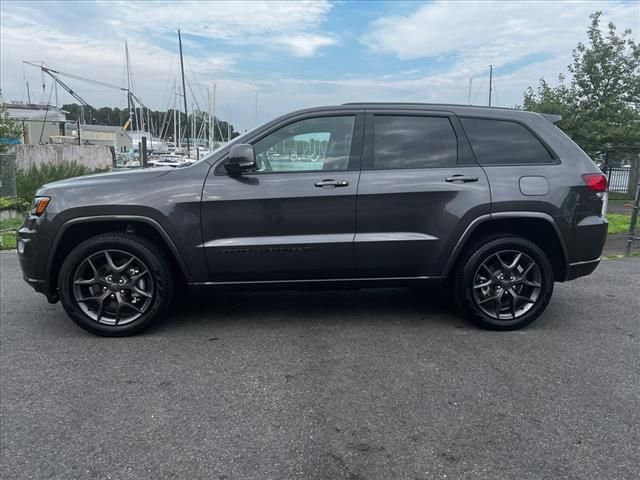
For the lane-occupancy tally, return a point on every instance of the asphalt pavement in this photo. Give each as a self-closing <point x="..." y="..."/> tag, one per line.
<point x="369" y="384"/>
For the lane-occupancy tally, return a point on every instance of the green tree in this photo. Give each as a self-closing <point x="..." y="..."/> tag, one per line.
<point x="9" y="128"/>
<point x="600" y="107"/>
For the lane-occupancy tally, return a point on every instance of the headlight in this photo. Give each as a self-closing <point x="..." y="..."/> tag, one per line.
<point x="39" y="205"/>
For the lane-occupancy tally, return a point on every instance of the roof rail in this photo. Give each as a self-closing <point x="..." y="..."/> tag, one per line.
<point x="425" y="104"/>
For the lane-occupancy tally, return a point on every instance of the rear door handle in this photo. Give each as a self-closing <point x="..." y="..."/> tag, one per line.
<point x="330" y="183"/>
<point x="461" y="178"/>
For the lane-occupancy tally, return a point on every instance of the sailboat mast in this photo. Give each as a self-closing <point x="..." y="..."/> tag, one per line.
<point x="126" y="52"/>
<point x="193" y="126"/>
<point x="175" y="125"/>
<point x="209" y="144"/>
<point x="184" y="90"/>
<point x="177" y="111"/>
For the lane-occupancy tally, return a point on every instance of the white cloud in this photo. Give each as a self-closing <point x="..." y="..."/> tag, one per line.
<point x="289" y="24"/>
<point x="483" y="33"/>
<point x="304" y="45"/>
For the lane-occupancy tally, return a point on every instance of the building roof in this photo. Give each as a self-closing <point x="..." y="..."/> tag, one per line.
<point x="101" y="128"/>
<point x="24" y="111"/>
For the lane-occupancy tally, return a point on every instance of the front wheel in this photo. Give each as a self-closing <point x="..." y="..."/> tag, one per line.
<point x="504" y="283"/>
<point x="115" y="284"/>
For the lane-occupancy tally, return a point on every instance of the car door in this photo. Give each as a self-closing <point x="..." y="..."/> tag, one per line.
<point x="294" y="216"/>
<point x="419" y="190"/>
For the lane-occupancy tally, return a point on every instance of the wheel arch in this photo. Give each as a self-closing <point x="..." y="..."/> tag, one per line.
<point x="538" y="227"/>
<point x="76" y="230"/>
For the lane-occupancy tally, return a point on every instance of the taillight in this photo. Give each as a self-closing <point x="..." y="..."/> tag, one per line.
<point x="595" y="182"/>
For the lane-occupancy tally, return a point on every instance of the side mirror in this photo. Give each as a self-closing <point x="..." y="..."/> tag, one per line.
<point x="242" y="158"/>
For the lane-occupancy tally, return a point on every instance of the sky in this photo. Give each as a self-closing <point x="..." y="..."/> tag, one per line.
<point x="268" y="58"/>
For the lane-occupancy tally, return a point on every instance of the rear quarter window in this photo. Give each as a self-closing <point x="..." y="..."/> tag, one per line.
<point x="501" y="142"/>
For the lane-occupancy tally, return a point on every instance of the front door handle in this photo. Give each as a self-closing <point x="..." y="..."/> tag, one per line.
<point x="461" y="178"/>
<point x="330" y="183"/>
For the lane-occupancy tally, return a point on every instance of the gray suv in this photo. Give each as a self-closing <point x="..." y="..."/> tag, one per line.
<point x="497" y="203"/>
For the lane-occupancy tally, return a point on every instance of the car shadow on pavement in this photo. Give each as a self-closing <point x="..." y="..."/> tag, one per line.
<point x="408" y="305"/>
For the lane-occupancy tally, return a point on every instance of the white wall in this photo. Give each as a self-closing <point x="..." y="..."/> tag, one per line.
<point x="92" y="156"/>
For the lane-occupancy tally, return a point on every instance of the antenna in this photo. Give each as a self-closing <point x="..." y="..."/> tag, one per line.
<point x="490" y="82"/>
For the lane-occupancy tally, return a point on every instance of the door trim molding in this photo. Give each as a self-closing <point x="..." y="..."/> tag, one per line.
<point x="318" y="239"/>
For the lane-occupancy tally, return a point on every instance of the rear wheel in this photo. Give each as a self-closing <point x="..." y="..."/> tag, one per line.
<point x="115" y="284"/>
<point x="504" y="283"/>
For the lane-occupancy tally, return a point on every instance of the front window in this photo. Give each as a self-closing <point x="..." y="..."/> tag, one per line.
<point x="313" y="144"/>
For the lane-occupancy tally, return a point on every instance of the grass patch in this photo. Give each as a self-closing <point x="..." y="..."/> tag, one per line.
<point x="8" y="238"/>
<point x="30" y="179"/>
<point x="616" y="197"/>
<point x="618" y="222"/>
<point x="618" y="256"/>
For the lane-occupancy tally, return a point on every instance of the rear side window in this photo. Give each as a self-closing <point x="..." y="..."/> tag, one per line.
<point x="500" y="142"/>
<point x="413" y="142"/>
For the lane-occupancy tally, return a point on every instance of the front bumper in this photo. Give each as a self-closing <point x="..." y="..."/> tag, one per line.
<point x="33" y="252"/>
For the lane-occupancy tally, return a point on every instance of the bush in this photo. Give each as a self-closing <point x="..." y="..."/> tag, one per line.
<point x="19" y="204"/>
<point x="30" y="179"/>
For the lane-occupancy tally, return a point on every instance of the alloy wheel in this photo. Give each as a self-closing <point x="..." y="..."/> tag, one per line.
<point x="507" y="284"/>
<point x="113" y="287"/>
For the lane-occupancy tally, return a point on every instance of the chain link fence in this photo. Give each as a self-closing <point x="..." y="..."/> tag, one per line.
<point x="8" y="175"/>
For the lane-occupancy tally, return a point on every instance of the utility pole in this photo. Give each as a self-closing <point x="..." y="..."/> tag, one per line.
<point x="184" y="90"/>
<point x="470" y="88"/>
<point x="490" y="82"/>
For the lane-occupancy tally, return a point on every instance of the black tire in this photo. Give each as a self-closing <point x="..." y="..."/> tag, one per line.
<point x="156" y="285"/>
<point x="503" y="304"/>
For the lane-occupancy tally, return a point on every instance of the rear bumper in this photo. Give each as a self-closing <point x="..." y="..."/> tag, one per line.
<point x="585" y="248"/>
<point x="581" y="269"/>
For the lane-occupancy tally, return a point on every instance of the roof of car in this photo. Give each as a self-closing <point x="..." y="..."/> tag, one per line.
<point x="423" y="105"/>
<point x="458" y="109"/>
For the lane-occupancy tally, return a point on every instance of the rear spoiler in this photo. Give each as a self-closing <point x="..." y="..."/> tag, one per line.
<point x="552" y="117"/>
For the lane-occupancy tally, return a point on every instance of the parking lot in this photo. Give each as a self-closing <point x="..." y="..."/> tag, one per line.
<point x="326" y="385"/>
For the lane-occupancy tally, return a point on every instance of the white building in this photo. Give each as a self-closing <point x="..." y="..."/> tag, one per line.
<point x="39" y="122"/>
<point x="116" y="137"/>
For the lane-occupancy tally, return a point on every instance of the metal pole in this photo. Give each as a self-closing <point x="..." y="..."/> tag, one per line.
<point x="470" y="88"/>
<point x="143" y="151"/>
<point x="634" y="220"/>
<point x="184" y="90"/>
<point x="79" y="139"/>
